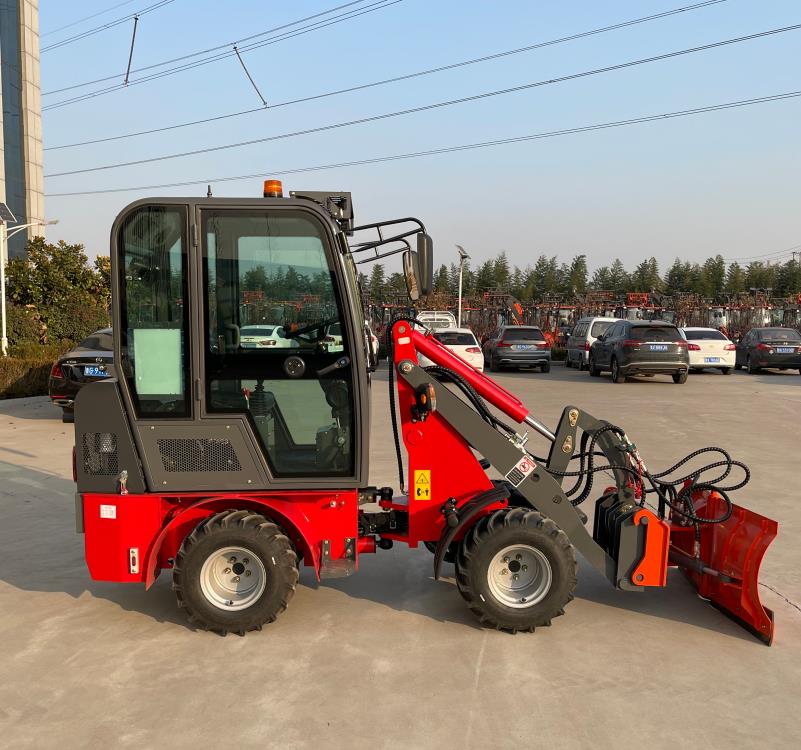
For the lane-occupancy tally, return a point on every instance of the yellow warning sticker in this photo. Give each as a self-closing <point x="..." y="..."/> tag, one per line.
<point x="422" y="484"/>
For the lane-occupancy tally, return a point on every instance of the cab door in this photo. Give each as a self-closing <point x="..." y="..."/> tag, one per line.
<point x="280" y="343"/>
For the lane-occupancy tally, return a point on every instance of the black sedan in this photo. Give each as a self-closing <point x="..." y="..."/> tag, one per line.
<point x="91" y="360"/>
<point x="769" y="347"/>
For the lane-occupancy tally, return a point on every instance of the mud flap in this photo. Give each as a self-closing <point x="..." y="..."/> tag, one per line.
<point x="731" y="552"/>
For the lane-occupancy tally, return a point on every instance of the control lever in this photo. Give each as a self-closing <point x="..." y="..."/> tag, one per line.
<point x="338" y="365"/>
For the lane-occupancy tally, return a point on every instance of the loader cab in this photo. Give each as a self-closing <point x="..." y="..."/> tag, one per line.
<point x="241" y="350"/>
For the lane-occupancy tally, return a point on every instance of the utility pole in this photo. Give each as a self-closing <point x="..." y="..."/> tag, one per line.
<point x="463" y="256"/>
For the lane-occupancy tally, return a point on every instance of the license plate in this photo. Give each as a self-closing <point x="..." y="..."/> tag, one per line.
<point x="711" y="359"/>
<point x="523" y="347"/>
<point x="785" y="350"/>
<point x="91" y="371"/>
<point x="659" y="347"/>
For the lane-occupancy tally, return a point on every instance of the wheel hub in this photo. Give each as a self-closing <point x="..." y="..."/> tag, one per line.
<point x="519" y="576"/>
<point x="232" y="578"/>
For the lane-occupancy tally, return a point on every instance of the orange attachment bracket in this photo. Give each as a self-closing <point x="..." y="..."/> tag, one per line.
<point x="652" y="570"/>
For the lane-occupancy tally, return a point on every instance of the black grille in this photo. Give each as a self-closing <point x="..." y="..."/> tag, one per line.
<point x="100" y="457"/>
<point x="198" y="454"/>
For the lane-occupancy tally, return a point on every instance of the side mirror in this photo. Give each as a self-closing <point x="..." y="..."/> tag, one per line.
<point x="411" y="274"/>
<point x="601" y="337"/>
<point x="425" y="263"/>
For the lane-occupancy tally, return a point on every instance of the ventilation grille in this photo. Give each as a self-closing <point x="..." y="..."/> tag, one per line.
<point x="198" y="454"/>
<point x="100" y="457"/>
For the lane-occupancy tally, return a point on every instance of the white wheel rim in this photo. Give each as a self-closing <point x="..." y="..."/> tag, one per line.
<point x="519" y="576"/>
<point x="232" y="578"/>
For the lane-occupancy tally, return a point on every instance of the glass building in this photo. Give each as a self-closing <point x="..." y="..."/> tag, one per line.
<point x="21" y="174"/>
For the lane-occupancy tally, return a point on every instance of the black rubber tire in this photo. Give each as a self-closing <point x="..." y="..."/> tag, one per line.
<point x="617" y="375"/>
<point x="680" y="377"/>
<point x="594" y="371"/>
<point x="490" y="535"/>
<point x="725" y="370"/>
<point x="738" y="367"/>
<point x="546" y="367"/>
<point x="568" y="363"/>
<point x="68" y="416"/>
<point x="493" y="364"/>
<point x="236" y="528"/>
<point x="580" y="364"/>
<point x="752" y="370"/>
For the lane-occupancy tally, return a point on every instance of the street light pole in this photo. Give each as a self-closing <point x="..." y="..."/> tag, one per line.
<point x="463" y="256"/>
<point x="4" y="235"/>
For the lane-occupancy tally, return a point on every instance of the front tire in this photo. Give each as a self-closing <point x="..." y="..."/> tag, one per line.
<point x="680" y="377"/>
<point x="540" y="570"/>
<point x="235" y="572"/>
<point x="617" y="375"/>
<point x="594" y="371"/>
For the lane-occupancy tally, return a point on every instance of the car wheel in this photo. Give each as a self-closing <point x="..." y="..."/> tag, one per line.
<point x="617" y="375"/>
<point x="594" y="371"/>
<point x="738" y="366"/>
<point x="546" y="367"/>
<point x="568" y="363"/>
<point x="493" y="365"/>
<point x="68" y="416"/>
<point x="580" y="364"/>
<point x="725" y="370"/>
<point x="752" y="369"/>
<point x="680" y="377"/>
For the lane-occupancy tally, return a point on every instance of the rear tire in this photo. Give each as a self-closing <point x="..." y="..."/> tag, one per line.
<point x="493" y="365"/>
<point x="680" y="377"/>
<point x="568" y="363"/>
<point x="617" y="375"/>
<point x="752" y="370"/>
<point x="594" y="371"/>
<point x="580" y="364"/>
<point x="235" y="572"/>
<point x="524" y="544"/>
<point x="725" y="370"/>
<point x="67" y="416"/>
<point x="546" y="367"/>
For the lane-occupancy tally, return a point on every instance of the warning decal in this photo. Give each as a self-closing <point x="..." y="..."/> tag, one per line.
<point x="521" y="470"/>
<point x="422" y="484"/>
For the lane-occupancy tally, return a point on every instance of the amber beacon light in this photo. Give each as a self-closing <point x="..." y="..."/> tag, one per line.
<point x="273" y="189"/>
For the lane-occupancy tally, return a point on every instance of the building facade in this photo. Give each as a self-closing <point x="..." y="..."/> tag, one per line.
<point x="21" y="162"/>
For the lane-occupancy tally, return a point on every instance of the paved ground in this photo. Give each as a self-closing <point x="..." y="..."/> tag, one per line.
<point x="391" y="658"/>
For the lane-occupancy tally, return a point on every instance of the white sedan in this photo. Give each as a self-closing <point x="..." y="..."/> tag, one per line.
<point x="462" y="342"/>
<point x="264" y="336"/>
<point x="709" y="348"/>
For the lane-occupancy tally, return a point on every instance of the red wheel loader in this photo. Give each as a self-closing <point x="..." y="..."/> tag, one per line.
<point x="232" y="444"/>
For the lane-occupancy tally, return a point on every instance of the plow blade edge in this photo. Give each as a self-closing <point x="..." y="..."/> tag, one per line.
<point x="727" y="573"/>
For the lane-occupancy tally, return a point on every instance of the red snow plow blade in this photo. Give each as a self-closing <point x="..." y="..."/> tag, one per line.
<point x="727" y="570"/>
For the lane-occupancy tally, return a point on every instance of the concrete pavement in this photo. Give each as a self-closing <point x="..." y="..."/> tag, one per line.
<point x="390" y="658"/>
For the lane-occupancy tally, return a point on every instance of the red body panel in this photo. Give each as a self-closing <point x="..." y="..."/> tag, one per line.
<point x="652" y="569"/>
<point x="735" y="548"/>
<point x="157" y="525"/>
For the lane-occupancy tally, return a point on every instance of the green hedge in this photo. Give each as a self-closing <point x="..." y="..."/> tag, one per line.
<point x="23" y="377"/>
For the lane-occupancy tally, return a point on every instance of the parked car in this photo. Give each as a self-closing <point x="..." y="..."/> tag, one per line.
<point x="640" y="347"/>
<point x="436" y="319"/>
<point x="92" y="359"/>
<point x="769" y="347"/>
<point x="371" y="341"/>
<point x="263" y="336"/>
<point x="709" y="348"/>
<point x="584" y="334"/>
<point x="333" y="338"/>
<point x="517" y="346"/>
<point x="462" y="342"/>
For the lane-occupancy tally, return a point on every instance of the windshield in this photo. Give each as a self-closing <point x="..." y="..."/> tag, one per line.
<point x="97" y="342"/>
<point x="779" y="334"/>
<point x="704" y="336"/>
<point x="600" y="327"/>
<point x="653" y="333"/>
<point x="523" y="334"/>
<point x="455" y="339"/>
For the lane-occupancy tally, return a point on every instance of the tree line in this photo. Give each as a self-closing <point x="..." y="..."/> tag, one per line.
<point x="713" y="278"/>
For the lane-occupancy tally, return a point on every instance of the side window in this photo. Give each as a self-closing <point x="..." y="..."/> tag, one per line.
<point x="154" y="324"/>
<point x="277" y="345"/>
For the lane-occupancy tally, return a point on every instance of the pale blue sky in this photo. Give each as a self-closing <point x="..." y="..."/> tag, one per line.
<point x="723" y="182"/>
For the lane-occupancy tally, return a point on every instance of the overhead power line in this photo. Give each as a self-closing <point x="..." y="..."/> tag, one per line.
<point x="315" y="26"/>
<point x="79" y="21"/>
<point x="423" y="108"/>
<point x="109" y="25"/>
<point x="404" y="77"/>
<point x="446" y="149"/>
<point x="767" y="256"/>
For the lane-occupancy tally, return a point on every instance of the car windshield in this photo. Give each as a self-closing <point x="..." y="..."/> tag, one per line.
<point x="97" y="342"/>
<point x="600" y="327"/>
<point x="653" y="333"/>
<point x="779" y="334"/>
<point x="450" y="338"/>
<point x="523" y="334"/>
<point x="257" y="331"/>
<point x="709" y="335"/>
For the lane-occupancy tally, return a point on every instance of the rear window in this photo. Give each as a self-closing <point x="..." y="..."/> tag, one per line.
<point x="704" y="336"/>
<point x="523" y="334"/>
<point x="654" y="333"/>
<point x="249" y="331"/>
<point x="97" y="342"/>
<point x="779" y="334"/>
<point x="455" y="339"/>
<point x="600" y="327"/>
